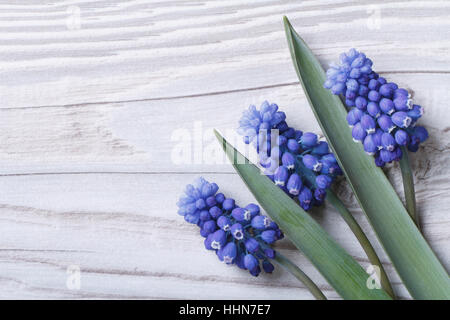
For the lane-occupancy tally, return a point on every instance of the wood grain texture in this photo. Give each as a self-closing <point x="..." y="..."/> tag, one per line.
<point x="96" y="97"/>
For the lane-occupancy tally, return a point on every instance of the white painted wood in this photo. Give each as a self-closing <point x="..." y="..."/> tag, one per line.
<point x="90" y="113"/>
<point x="132" y="50"/>
<point x="145" y="136"/>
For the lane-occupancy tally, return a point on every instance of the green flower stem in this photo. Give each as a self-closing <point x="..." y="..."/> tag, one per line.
<point x="360" y="235"/>
<point x="408" y="186"/>
<point x="300" y="275"/>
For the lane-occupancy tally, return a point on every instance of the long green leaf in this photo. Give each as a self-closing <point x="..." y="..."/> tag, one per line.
<point x="420" y="270"/>
<point x="346" y="276"/>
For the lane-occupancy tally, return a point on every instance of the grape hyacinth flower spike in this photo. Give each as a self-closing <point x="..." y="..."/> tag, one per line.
<point x="238" y="235"/>
<point x="301" y="165"/>
<point x="382" y="115"/>
<point x="297" y="162"/>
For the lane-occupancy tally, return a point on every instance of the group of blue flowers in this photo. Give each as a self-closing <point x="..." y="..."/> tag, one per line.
<point x="297" y="162"/>
<point x="382" y="115"/>
<point x="240" y="236"/>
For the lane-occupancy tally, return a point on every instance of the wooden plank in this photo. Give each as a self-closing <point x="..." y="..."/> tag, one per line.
<point x="82" y="51"/>
<point x="123" y="232"/>
<point x="146" y="136"/>
<point x="96" y="94"/>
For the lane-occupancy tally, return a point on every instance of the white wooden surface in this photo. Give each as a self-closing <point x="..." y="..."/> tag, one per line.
<point x="94" y="93"/>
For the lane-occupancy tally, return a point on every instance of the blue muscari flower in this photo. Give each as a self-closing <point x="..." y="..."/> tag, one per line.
<point x="305" y="198"/>
<point x="228" y="204"/>
<point x="385" y="123"/>
<point x="296" y="160"/>
<point x="358" y="132"/>
<point x="288" y="160"/>
<point x="369" y="145"/>
<point x="421" y="133"/>
<point x="260" y="222"/>
<point x="267" y="266"/>
<point x="228" y="253"/>
<point x="368" y="124"/>
<point x="195" y="194"/>
<point x="240" y="236"/>
<point x="237" y="231"/>
<point x="312" y="162"/>
<point x="269" y="236"/>
<point x="319" y="194"/>
<point x="253" y="119"/>
<point x="218" y="239"/>
<point x="294" y="184"/>
<point x="252" y="245"/>
<point x="308" y="139"/>
<point x="224" y="223"/>
<point x="240" y="214"/>
<point x="281" y="175"/>
<point x="401" y="137"/>
<point x="375" y="104"/>
<point x="323" y="181"/>
<point x="388" y="141"/>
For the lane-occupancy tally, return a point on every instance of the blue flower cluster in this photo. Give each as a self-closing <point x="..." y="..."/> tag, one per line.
<point x="297" y="162"/>
<point x="240" y="236"/>
<point x="382" y="115"/>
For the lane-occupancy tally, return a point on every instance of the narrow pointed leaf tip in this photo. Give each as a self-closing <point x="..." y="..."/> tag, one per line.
<point x="342" y="271"/>
<point x="415" y="262"/>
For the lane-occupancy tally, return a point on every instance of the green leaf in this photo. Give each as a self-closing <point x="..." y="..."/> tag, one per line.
<point x="408" y="187"/>
<point x="346" y="276"/>
<point x="415" y="262"/>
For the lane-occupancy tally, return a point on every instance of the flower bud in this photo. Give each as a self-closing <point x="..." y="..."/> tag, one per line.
<point x="268" y="236"/>
<point x="260" y="222"/>
<point x="401" y="119"/>
<point x="354" y="116"/>
<point x="374" y="96"/>
<point x="215" y="212"/>
<point x="253" y="209"/>
<point x="311" y="162"/>
<point x="308" y="139"/>
<point x="358" y="133"/>
<point x="218" y="239"/>
<point x="319" y="194"/>
<point x="293" y="146"/>
<point x="228" y="204"/>
<point x="416" y="112"/>
<point x="229" y="253"/>
<point x="401" y="137"/>
<point x="321" y="148"/>
<point x="267" y="266"/>
<point x="281" y="175"/>
<point x="237" y="231"/>
<point x="305" y="198"/>
<point x="361" y="103"/>
<point x="250" y="262"/>
<point x="252" y="245"/>
<point x="209" y="227"/>
<point x="388" y="142"/>
<point x="220" y="197"/>
<point x="373" y="109"/>
<point x="385" y="123"/>
<point x="288" y="160"/>
<point x="368" y="124"/>
<point x="421" y="133"/>
<point x="323" y="181"/>
<point x="387" y="106"/>
<point x="241" y="214"/>
<point x="369" y="145"/>
<point x="294" y="184"/>
<point x="224" y="223"/>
